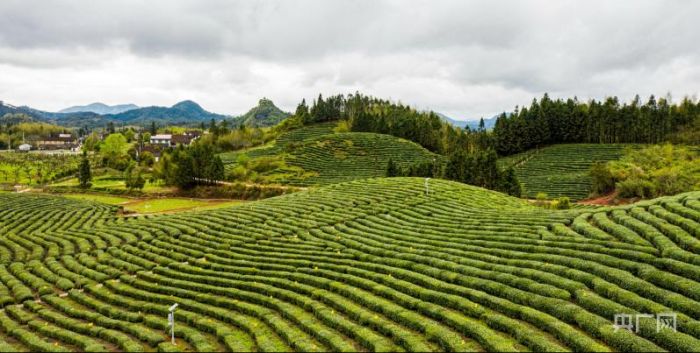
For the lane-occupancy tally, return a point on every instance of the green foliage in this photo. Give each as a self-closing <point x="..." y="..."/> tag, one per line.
<point x="562" y="170"/>
<point x="343" y="126"/>
<point x="562" y="203"/>
<point x="651" y="172"/>
<point x="481" y="169"/>
<point x="372" y="264"/>
<point x="113" y="149"/>
<point x="147" y="159"/>
<point x="133" y="178"/>
<point x="187" y="167"/>
<point x="541" y="199"/>
<point x="510" y="184"/>
<point x="603" y="180"/>
<point x="84" y="173"/>
<point x="92" y="142"/>
<point x="391" y="169"/>
<point x="265" y="114"/>
<point x="550" y="121"/>
<point x="244" y="137"/>
<point x="36" y="168"/>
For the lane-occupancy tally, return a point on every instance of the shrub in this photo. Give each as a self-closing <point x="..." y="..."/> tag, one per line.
<point x="562" y="203"/>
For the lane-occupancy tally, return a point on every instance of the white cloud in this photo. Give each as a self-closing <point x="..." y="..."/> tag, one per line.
<point x="464" y="58"/>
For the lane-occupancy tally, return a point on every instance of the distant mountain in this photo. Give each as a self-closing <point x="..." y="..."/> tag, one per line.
<point x="264" y="114"/>
<point x="472" y="124"/>
<point x="185" y="112"/>
<point x="488" y="123"/>
<point x="457" y="123"/>
<point x="100" y="108"/>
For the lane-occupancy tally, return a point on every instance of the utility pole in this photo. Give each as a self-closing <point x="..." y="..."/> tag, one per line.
<point x="427" y="187"/>
<point x="171" y="322"/>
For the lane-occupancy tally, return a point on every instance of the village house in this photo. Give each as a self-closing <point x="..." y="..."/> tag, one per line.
<point x="163" y="139"/>
<point x="59" y="142"/>
<point x="173" y="140"/>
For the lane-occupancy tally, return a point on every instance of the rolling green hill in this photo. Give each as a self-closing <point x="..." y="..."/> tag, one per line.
<point x="354" y="155"/>
<point x="264" y="114"/>
<point x="561" y="170"/>
<point x="318" y="156"/>
<point x="370" y="265"/>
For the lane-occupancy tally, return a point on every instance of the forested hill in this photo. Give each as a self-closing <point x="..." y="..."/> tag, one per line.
<point x="266" y="113"/>
<point x="180" y="113"/>
<point x="549" y="121"/>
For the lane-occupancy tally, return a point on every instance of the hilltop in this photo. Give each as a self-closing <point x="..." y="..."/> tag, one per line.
<point x="316" y="155"/>
<point x="266" y="113"/>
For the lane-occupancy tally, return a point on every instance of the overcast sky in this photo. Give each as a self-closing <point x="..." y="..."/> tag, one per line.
<point x="466" y="59"/>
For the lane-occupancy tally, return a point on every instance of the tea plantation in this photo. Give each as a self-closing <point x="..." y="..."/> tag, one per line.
<point x="561" y="170"/>
<point x="326" y="157"/>
<point x="368" y="265"/>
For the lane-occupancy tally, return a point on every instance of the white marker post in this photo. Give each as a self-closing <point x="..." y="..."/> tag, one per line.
<point x="171" y="322"/>
<point x="427" y="187"/>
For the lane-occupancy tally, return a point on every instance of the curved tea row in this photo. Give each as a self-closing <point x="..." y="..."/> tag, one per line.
<point x="561" y="170"/>
<point x="370" y="265"/>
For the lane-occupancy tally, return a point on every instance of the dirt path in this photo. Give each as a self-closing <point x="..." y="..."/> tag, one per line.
<point x="602" y="200"/>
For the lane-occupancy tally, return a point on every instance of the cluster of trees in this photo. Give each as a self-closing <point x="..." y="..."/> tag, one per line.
<point x="423" y="169"/>
<point x="650" y="172"/>
<point x="242" y="136"/>
<point x="550" y="121"/>
<point x="479" y="168"/>
<point x="187" y="167"/>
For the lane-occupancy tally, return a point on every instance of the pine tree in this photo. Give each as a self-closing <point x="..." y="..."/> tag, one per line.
<point x="154" y="128"/>
<point x="84" y="173"/>
<point x="392" y="169"/>
<point x="509" y="183"/>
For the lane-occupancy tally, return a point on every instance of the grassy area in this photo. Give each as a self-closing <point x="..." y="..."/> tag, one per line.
<point x="155" y="205"/>
<point x="175" y="204"/>
<point x="108" y="199"/>
<point x="112" y="181"/>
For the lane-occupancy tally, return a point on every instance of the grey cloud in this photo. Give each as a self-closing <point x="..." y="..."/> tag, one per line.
<point x="468" y="58"/>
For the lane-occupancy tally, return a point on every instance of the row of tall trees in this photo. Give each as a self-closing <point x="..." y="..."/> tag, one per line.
<point x="480" y="168"/>
<point x="548" y="121"/>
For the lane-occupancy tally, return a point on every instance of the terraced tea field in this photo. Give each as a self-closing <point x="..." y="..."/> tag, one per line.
<point x="348" y="156"/>
<point x="329" y="157"/>
<point x="287" y="139"/>
<point x="561" y="170"/>
<point x="369" y="265"/>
